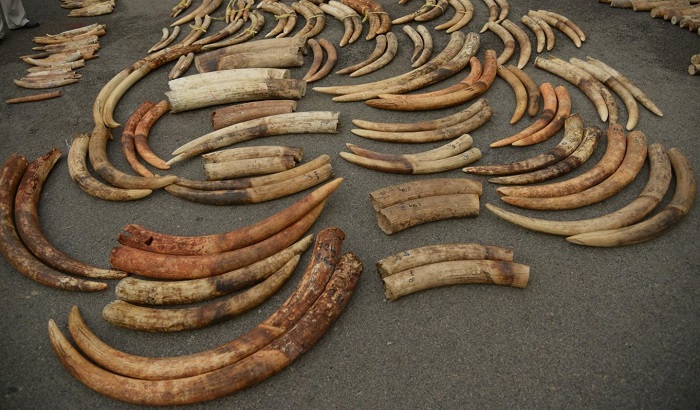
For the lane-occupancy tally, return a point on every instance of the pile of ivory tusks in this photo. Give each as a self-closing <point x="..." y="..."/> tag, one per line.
<point x="22" y="241"/>
<point x="60" y="54"/>
<point x="432" y="266"/>
<point x="413" y="203"/>
<point x="88" y="8"/>
<point x="685" y="13"/>
<point x="308" y="313"/>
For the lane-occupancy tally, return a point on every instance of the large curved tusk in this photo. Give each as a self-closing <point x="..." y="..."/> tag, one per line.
<point x="180" y="7"/>
<point x="614" y="154"/>
<point x="427" y="50"/>
<point x="136" y="236"/>
<point x="317" y="54"/>
<point x="409" y="191"/>
<point x="416" y="39"/>
<point x="125" y="314"/>
<point x="622" y="92"/>
<point x="682" y="201"/>
<point x="415" y="166"/>
<point x="507" y="39"/>
<point x="654" y="191"/>
<point x="563" y="112"/>
<point x="11" y="246"/>
<point x="583" y="152"/>
<point x="379" y="49"/>
<point x="558" y="24"/>
<point x="413" y="258"/>
<point x="519" y="90"/>
<point x="566" y="21"/>
<point x="324" y="260"/>
<point x="143" y="129"/>
<point x="539" y="33"/>
<point x="77" y="168"/>
<point x="466" y="17"/>
<point x="233" y="114"/>
<point x="572" y="138"/>
<point x="314" y="16"/>
<point x="570" y="73"/>
<point x="475" y="72"/>
<point x="414" y="212"/>
<point x="345" y="20"/>
<point x="626" y="173"/>
<point x="403" y="103"/>
<point x="227" y="380"/>
<point x="533" y="92"/>
<point x="153" y="292"/>
<point x="523" y="41"/>
<point x="127" y="140"/>
<point x="292" y="123"/>
<point x="26" y="212"/>
<point x="379" y="20"/>
<point x="493" y="13"/>
<point x="280" y="15"/>
<point x="459" y="9"/>
<point x="257" y="194"/>
<point x="505" y="9"/>
<point x="455" y="44"/>
<point x="183" y="267"/>
<point x="248" y="167"/>
<point x="383" y="60"/>
<point x="455" y="273"/>
<point x="224" y="76"/>
<point x="331" y="59"/>
<point x="441" y="122"/>
<point x="549" y="109"/>
<point x="439" y="134"/>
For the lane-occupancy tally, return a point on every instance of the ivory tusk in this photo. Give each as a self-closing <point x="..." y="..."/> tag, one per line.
<point x="227" y="31"/>
<point x="317" y="53"/>
<point x="152" y="292"/>
<point x="379" y="49"/>
<point x="314" y="16"/>
<point x="166" y="40"/>
<point x="409" y="191"/>
<point x="427" y="50"/>
<point x="507" y="39"/>
<point x="257" y="21"/>
<point x="248" y="167"/>
<point x="581" y="35"/>
<point x="425" y="255"/>
<point x="345" y="20"/>
<point x="125" y="314"/>
<point x="407" y="214"/>
<point x="466" y="17"/>
<point x="33" y="97"/>
<point x="533" y="92"/>
<point x="142" y="131"/>
<point x="77" y="168"/>
<point x="75" y="34"/>
<point x="383" y="60"/>
<point x="549" y="109"/>
<point x="206" y="8"/>
<point x="280" y="14"/>
<point x="223" y="76"/>
<point x="475" y="72"/>
<point x="614" y="154"/>
<point x="583" y="152"/>
<point x="292" y="123"/>
<point x="682" y="201"/>
<point x="523" y="41"/>
<point x="654" y="191"/>
<point x="416" y="39"/>
<point x="563" y="112"/>
<point x="182" y="65"/>
<point x="412" y="16"/>
<point x="127" y="140"/>
<point x="436" y="11"/>
<point x="415" y="167"/>
<point x="11" y="246"/>
<point x="441" y="122"/>
<point x="459" y="9"/>
<point x="457" y="146"/>
<point x="572" y="138"/>
<point x="550" y="40"/>
<point x="180" y="7"/>
<point x="268" y="53"/>
<point x="350" y="13"/>
<point x="233" y="114"/>
<point x="518" y="89"/>
<point x="379" y="20"/>
<point x="234" y="154"/>
<point x="138" y="237"/>
<point x="558" y="24"/>
<point x="45" y="83"/>
<point x="493" y="13"/>
<point x="539" y="33"/>
<point x="331" y="59"/>
<point x="26" y="212"/>
<point x="455" y="273"/>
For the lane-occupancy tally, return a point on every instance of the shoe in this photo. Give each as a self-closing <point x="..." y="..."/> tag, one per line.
<point x="31" y="24"/>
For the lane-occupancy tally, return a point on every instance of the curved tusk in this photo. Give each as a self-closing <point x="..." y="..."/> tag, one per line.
<point x="547" y="30"/>
<point x="142" y="131"/>
<point x="331" y="59"/>
<point x="314" y="16"/>
<point x="434" y="12"/>
<point x="407" y="214"/>
<point x="40" y="84"/>
<point x="413" y="258"/>
<point x="682" y="201"/>
<point x="626" y="173"/>
<point x="166" y="39"/>
<point x="493" y="13"/>
<point x="345" y="20"/>
<point x="77" y="168"/>
<point x="350" y="13"/>
<point x="182" y="65"/>
<point x="441" y="122"/>
<point x="459" y="9"/>
<point x="34" y="97"/>
<point x="227" y="31"/>
<point x="153" y="292"/>
<point x="614" y="153"/>
<point x="533" y="92"/>
<point x="559" y="25"/>
<point x="583" y="152"/>
<point x="278" y="12"/>
<point x="572" y="138"/>
<point x="507" y="39"/>
<point x="257" y="21"/>
<point x="317" y="60"/>
<point x="428" y="46"/>
<point x="549" y="109"/>
<point x="416" y="39"/>
<point x="539" y="33"/>
<point x="379" y="49"/>
<point x="563" y="112"/>
<point x="519" y="90"/>
<point x="409" y="191"/>
<point x="11" y="246"/>
<point x="523" y="41"/>
<point x="654" y="191"/>
<point x="474" y="73"/>
<point x="125" y="314"/>
<point x="127" y="140"/>
<point x="455" y="273"/>
<point x="138" y="237"/>
<point x="383" y="60"/>
<point x="26" y="212"/>
<point x="566" y="21"/>
<point x="466" y="17"/>
<point x="457" y="146"/>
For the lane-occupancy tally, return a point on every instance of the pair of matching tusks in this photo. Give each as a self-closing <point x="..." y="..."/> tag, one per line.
<point x="292" y="123"/>
<point x="432" y="266"/>
<point x="379" y="20"/>
<point x="285" y="15"/>
<point x="509" y="33"/>
<point x="561" y="23"/>
<point x="166" y="39"/>
<point x="422" y="44"/>
<point x="314" y="17"/>
<point x="381" y="50"/>
<point x="555" y="110"/>
<point x="324" y="262"/>
<point x="22" y="241"/>
<point x="270" y="53"/>
<point x="429" y="11"/>
<point x="242" y="12"/>
<point x="402" y="206"/>
<point x="527" y="94"/>
<point x="498" y="11"/>
<point x="182" y="65"/>
<point x="464" y="12"/>
<point x="573" y="136"/>
<point x="626" y="225"/>
<point x="135" y="137"/>
<point x="257" y="21"/>
<point x="180" y="7"/>
<point x="453" y="155"/>
<point x="435" y="101"/>
<point x="318" y="68"/>
<point x="352" y="22"/>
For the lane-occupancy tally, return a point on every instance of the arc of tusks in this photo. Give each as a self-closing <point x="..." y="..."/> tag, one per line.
<point x="454" y="155"/>
<point x="223" y="380"/>
<point x="657" y="185"/>
<point x="14" y="250"/>
<point x="290" y="123"/>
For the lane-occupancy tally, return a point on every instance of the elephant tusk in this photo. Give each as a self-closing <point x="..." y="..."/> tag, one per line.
<point x="409" y="191"/>
<point x="523" y="40"/>
<point x="248" y="167"/>
<point x="331" y="59"/>
<point x="415" y="167"/>
<point x="533" y="92"/>
<point x="182" y="65"/>
<point x="519" y="90"/>
<point x="581" y="35"/>
<point x="314" y="16"/>
<point x="537" y="29"/>
<point x="142" y="131"/>
<point x="127" y="140"/>
<point x="410" y="213"/>
<point x="549" y="109"/>
<point x="233" y="114"/>
<point x="428" y="46"/>
<point x="466" y="16"/>
<point x="563" y="112"/>
<point x="558" y="24"/>
<point x="350" y="13"/>
<point x="507" y="39"/>
<point x="166" y="39"/>
<point x="379" y="49"/>
<point x="383" y="60"/>
<point x="416" y="39"/>
<point x="234" y="154"/>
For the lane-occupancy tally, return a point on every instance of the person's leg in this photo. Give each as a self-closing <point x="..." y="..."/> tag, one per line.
<point x="13" y="12"/>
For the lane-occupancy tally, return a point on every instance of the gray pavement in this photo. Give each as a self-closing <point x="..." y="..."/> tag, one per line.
<point x="595" y="328"/>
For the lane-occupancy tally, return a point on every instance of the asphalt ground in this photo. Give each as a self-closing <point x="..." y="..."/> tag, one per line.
<point x="595" y="327"/>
